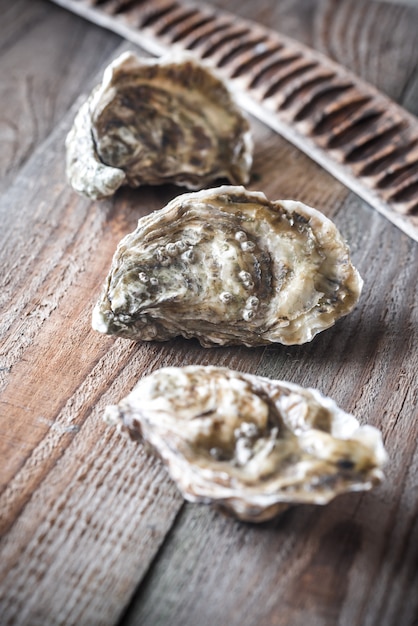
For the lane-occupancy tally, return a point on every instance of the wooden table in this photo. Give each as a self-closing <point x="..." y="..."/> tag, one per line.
<point x="93" y="530"/>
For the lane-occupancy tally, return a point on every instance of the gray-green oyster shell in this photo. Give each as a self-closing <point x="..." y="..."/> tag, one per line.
<point x="227" y="266"/>
<point x="249" y="445"/>
<point x="155" y="121"/>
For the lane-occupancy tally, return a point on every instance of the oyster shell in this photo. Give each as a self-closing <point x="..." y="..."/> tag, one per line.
<point x="154" y="121"/>
<point x="227" y="266"/>
<point x="249" y="445"/>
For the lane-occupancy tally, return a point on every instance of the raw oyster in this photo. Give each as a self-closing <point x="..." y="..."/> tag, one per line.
<point x="227" y="266"/>
<point x="157" y="121"/>
<point x="247" y="444"/>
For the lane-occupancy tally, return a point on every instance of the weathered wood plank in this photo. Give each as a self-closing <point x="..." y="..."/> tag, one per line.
<point x="71" y="488"/>
<point x="47" y="58"/>
<point x="347" y="32"/>
<point x="355" y="132"/>
<point x="84" y="512"/>
<point x="354" y="562"/>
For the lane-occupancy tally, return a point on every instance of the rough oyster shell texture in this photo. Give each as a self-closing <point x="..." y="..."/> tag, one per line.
<point x="155" y="121"/>
<point x="227" y="266"/>
<point x="249" y="445"/>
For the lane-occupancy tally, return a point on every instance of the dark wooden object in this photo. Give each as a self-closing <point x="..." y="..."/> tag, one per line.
<point x="358" y="134"/>
<point x="93" y="531"/>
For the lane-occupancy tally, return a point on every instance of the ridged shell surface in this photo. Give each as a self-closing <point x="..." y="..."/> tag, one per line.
<point x="170" y="120"/>
<point x="228" y="266"/>
<point x="249" y="445"/>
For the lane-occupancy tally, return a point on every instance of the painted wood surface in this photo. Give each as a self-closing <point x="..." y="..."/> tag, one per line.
<point x="93" y="531"/>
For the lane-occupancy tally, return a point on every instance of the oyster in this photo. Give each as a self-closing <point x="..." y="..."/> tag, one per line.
<point x="157" y="121"/>
<point x="227" y="266"/>
<point x="249" y="445"/>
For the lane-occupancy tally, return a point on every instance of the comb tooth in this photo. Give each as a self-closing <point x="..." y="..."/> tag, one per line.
<point x="249" y="65"/>
<point x="172" y="19"/>
<point x="410" y="209"/>
<point x="302" y="83"/>
<point x="337" y="112"/>
<point x="312" y="103"/>
<point x="362" y="123"/>
<point x="124" y="6"/>
<point x="101" y="2"/>
<point x="371" y="148"/>
<point x="368" y="136"/>
<point x="389" y="156"/>
<point x="189" y="25"/>
<point x="240" y="51"/>
<point x="378" y="148"/>
<point x="352" y="126"/>
<point x="156" y="16"/>
<point x="307" y="89"/>
<point x="288" y="75"/>
<point x="272" y="67"/>
<point x="404" y="192"/>
<point x="398" y="175"/>
<point x="113" y="6"/>
<point x="217" y="43"/>
<point x="201" y="35"/>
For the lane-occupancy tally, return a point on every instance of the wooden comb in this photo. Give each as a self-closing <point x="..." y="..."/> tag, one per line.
<point x="355" y="132"/>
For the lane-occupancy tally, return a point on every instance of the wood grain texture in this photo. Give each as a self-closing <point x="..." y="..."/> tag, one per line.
<point x="316" y="566"/>
<point x="362" y="137"/>
<point x="346" y="31"/>
<point x="87" y="517"/>
<point x="58" y="458"/>
<point x="41" y="80"/>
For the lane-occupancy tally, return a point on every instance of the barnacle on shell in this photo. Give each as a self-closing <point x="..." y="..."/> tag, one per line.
<point x="154" y="121"/>
<point x="227" y="266"/>
<point x="249" y="445"/>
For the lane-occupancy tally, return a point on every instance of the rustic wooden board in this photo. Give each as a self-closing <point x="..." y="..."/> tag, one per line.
<point x="38" y="83"/>
<point x="358" y="134"/>
<point x="87" y="517"/>
<point x="353" y="563"/>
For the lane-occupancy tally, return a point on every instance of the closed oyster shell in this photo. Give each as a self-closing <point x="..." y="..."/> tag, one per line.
<point x="154" y="121"/>
<point x="227" y="266"/>
<point x="249" y="445"/>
